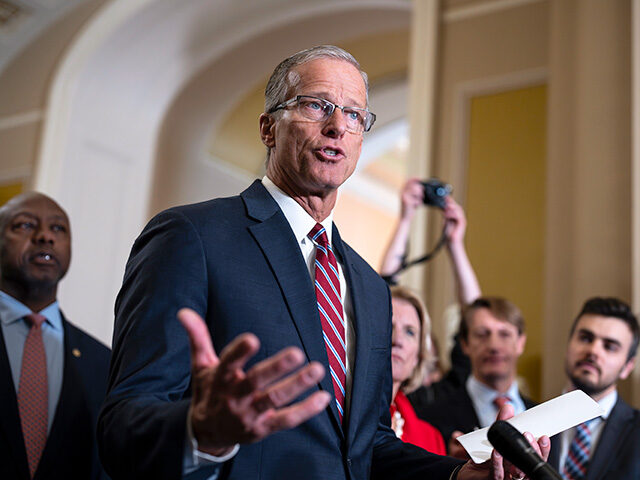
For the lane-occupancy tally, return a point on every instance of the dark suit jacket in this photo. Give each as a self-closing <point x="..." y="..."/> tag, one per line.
<point x="237" y="263"/>
<point x="455" y="411"/>
<point x="71" y="450"/>
<point x="617" y="454"/>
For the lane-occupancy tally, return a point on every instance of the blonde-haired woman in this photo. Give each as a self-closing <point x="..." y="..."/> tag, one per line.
<point x="410" y="359"/>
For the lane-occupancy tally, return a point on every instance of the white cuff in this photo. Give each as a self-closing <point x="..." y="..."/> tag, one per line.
<point x="203" y="458"/>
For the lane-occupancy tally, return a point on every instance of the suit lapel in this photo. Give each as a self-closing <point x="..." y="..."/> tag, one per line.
<point x="554" y="454"/>
<point x="468" y="412"/>
<point x="9" y="415"/>
<point x="277" y="242"/>
<point x="614" y="434"/>
<point x="362" y="333"/>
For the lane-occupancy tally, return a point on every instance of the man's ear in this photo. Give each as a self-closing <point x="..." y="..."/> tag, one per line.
<point x="268" y="130"/>
<point x="521" y="342"/>
<point x="628" y="368"/>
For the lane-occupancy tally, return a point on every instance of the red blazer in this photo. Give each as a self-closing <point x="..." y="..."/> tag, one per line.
<point x="416" y="431"/>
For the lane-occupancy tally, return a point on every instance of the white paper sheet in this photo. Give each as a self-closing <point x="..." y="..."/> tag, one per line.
<point x="549" y="418"/>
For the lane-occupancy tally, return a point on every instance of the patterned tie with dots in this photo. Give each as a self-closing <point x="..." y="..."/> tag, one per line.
<point x="33" y="392"/>
<point x="327" y="284"/>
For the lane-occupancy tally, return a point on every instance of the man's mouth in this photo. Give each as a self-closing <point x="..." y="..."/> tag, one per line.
<point x="331" y="152"/>
<point x="587" y="365"/>
<point x="44" y="258"/>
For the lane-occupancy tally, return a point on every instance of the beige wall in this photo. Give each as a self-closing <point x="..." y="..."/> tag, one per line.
<point x="589" y="173"/>
<point x="482" y="54"/>
<point x="506" y="208"/>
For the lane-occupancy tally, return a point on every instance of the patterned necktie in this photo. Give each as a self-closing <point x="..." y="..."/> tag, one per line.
<point x="501" y="400"/>
<point x="577" y="461"/>
<point x="327" y="284"/>
<point x="33" y="392"/>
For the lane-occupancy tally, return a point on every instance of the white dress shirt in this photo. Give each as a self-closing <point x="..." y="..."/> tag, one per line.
<point x="301" y="224"/>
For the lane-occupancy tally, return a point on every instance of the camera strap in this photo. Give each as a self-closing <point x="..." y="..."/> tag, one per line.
<point x="425" y="258"/>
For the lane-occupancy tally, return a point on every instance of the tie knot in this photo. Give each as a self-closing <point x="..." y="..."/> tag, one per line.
<point x="319" y="235"/>
<point x="35" y="319"/>
<point x="501" y="400"/>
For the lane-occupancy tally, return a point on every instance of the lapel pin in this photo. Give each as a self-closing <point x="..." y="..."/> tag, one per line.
<point x="76" y="353"/>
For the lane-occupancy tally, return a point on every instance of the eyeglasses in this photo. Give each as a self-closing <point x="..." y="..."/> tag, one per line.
<point x="358" y="120"/>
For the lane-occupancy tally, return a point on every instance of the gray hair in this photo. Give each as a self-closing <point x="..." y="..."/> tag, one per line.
<point x="283" y="79"/>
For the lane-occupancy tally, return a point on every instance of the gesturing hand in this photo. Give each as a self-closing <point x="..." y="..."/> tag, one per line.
<point x="229" y="405"/>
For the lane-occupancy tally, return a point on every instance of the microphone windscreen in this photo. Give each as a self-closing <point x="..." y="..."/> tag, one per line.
<point x="512" y="445"/>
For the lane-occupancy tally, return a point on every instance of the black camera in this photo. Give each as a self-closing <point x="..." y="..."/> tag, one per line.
<point x="435" y="192"/>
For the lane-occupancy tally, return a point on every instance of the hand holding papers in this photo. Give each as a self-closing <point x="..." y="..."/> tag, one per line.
<point x="549" y="418"/>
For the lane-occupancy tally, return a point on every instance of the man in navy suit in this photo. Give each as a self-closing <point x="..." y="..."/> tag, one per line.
<point x="35" y="250"/>
<point x="492" y="335"/>
<point x="263" y="408"/>
<point x="602" y="350"/>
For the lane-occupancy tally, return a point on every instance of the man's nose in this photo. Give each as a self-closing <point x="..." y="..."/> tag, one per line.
<point x="43" y="235"/>
<point x="493" y="342"/>
<point x="594" y="349"/>
<point x="336" y="125"/>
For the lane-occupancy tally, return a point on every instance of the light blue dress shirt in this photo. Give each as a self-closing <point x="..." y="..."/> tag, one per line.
<point x="483" y="396"/>
<point x="15" y="330"/>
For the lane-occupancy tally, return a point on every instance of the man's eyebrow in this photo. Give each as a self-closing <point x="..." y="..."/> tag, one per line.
<point x="24" y="214"/>
<point x="350" y="101"/>
<point x="612" y="340"/>
<point x="586" y="331"/>
<point x="604" y="339"/>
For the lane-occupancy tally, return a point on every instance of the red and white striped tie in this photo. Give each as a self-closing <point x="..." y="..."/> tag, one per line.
<point x="33" y="392"/>
<point x="327" y="283"/>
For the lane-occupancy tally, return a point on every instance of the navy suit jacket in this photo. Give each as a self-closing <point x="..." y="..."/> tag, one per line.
<point x="617" y="454"/>
<point x="455" y="411"/>
<point x="237" y="263"/>
<point x="71" y="451"/>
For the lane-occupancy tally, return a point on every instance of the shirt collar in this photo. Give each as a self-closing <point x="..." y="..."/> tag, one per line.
<point x="300" y="221"/>
<point x="607" y="403"/>
<point x="12" y="310"/>
<point x="487" y="394"/>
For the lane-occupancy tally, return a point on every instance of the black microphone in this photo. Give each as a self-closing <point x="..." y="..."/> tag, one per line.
<point x="513" y="446"/>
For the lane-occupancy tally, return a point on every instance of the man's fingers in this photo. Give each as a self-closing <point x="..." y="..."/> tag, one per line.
<point x="235" y="355"/>
<point x="272" y="369"/>
<point x="496" y="466"/>
<point x="506" y="412"/>
<point x="202" y="353"/>
<point x="288" y="389"/>
<point x="295" y="414"/>
<point x="544" y="443"/>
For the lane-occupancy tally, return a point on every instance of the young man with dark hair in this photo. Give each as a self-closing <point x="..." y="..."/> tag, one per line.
<point x="602" y="349"/>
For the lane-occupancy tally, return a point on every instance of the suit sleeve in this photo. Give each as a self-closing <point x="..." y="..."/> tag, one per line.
<point x="142" y="425"/>
<point x="393" y="458"/>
